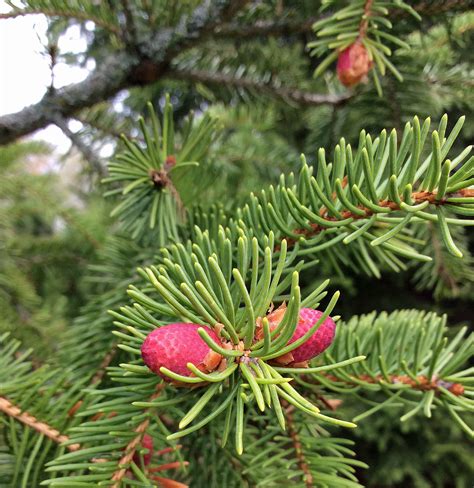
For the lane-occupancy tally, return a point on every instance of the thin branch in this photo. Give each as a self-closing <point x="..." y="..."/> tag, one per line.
<point x="10" y="409"/>
<point x="293" y="432"/>
<point x="121" y="70"/>
<point x="131" y="448"/>
<point x="265" y="29"/>
<point x="85" y="150"/>
<point x="364" y="23"/>
<point x="288" y="94"/>
<point x="421" y="383"/>
<point x="106" y="128"/>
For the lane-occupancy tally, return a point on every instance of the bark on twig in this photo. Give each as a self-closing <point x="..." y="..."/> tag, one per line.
<point x="10" y="409"/>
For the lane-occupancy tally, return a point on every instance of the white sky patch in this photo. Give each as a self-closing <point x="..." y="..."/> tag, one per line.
<point x="25" y="72"/>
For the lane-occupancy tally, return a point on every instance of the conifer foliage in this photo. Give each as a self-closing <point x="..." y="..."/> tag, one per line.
<point x="211" y="350"/>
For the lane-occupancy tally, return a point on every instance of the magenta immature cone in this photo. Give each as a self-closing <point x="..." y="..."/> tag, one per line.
<point x="353" y="64"/>
<point x="318" y="342"/>
<point x="175" y="345"/>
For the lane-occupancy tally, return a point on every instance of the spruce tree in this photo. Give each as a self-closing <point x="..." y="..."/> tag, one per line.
<point x="213" y="348"/>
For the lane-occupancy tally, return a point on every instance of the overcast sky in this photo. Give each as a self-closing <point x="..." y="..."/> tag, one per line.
<point x="24" y="67"/>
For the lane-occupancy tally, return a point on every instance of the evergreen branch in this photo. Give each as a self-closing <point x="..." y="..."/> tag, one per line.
<point x="293" y="433"/>
<point x="421" y="382"/>
<point x="10" y="409"/>
<point x="364" y="23"/>
<point x="417" y="197"/>
<point x="158" y="179"/>
<point x="353" y="32"/>
<point x="287" y="94"/>
<point x="370" y="195"/>
<point x="412" y="362"/>
<point x="120" y="70"/>
<point x="35" y="400"/>
<point x="113" y="433"/>
<point x="276" y="458"/>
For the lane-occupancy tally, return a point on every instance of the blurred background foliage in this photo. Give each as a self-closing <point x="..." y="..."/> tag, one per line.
<point x="54" y="223"/>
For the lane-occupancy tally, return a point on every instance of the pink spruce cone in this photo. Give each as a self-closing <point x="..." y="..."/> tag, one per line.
<point x="353" y="64"/>
<point x="175" y="345"/>
<point x="147" y="443"/>
<point x="318" y="342"/>
<point x="315" y="345"/>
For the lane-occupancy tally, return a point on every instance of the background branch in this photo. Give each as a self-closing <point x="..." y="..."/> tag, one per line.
<point x="120" y="70"/>
<point x="288" y="94"/>
<point x="83" y="148"/>
<point x="266" y="28"/>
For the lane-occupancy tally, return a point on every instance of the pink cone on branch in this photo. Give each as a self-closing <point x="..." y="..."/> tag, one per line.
<point x="312" y="347"/>
<point x="175" y="345"/>
<point x="353" y="64"/>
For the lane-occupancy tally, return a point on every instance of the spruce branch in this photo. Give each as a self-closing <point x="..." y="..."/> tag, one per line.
<point x="111" y="434"/>
<point x="162" y="178"/>
<point x="413" y="365"/>
<point x="10" y="409"/>
<point x="421" y="382"/>
<point x="374" y="194"/>
<point x="354" y="33"/>
<point x="287" y="94"/>
<point x="418" y="198"/>
<point x="306" y="456"/>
